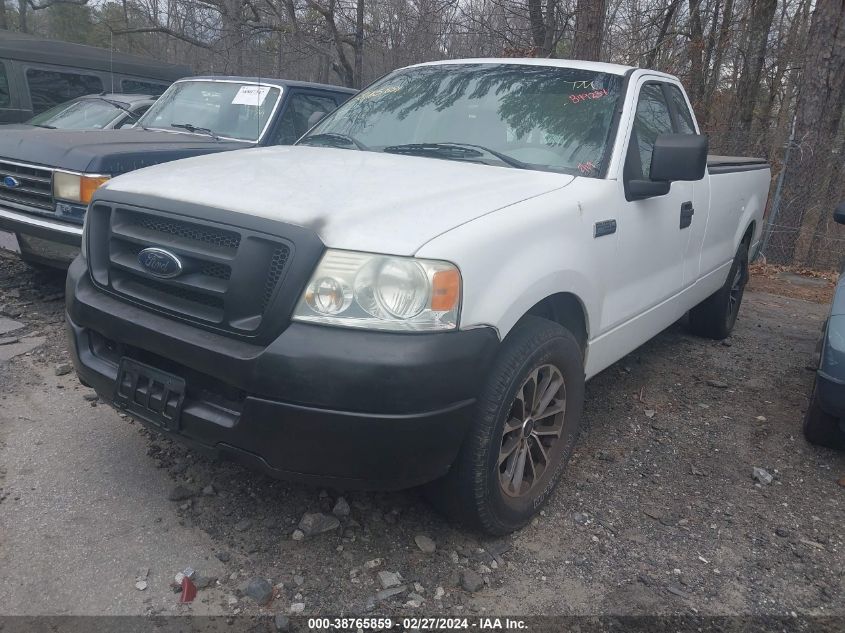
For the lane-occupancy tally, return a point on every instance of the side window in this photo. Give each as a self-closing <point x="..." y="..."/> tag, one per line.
<point x="5" y="94"/>
<point x="135" y="87"/>
<point x="651" y="120"/>
<point x="296" y="120"/>
<point x="685" y="124"/>
<point x="48" y="88"/>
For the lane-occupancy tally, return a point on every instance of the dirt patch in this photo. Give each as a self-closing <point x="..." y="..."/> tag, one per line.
<point x="795" y="282"/>
<point x="657" y="513"/>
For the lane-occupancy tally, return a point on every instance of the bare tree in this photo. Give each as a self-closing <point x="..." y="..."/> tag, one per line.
<point x="589" y="29"/>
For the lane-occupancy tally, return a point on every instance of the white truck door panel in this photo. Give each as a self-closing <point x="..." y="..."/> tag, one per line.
<point x="652" y="245"/>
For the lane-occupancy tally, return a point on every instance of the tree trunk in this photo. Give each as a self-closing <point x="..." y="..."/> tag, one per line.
<point x="808" y="181"/>
<point x="3" y="23"/>
<point x="696" y="55"/>
<point x="359" y="45"/>
<point x="589" y="29"/>
<point x="651" y="58"/>
<point x="762" y="15"/>
<point x="22" y="10"/>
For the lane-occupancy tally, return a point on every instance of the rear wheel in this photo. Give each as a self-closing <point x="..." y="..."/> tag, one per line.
<point x="715" y="317"/>
<point x="822" y="428"/>
<point x="526" y="424"/>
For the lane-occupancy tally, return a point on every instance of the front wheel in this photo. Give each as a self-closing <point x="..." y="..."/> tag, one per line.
<point x="526" y="424"/>
<point x="715" y="317"/>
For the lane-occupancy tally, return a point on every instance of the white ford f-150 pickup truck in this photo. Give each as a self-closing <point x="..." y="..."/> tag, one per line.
<point x="418" y="290"/>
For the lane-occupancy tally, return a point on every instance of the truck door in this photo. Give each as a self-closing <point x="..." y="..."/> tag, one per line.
<point x="654" y="232"/>
<point x="700" y="190"/>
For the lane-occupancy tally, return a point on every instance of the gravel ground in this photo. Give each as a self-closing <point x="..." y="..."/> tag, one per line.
<point x="657" y="514"/>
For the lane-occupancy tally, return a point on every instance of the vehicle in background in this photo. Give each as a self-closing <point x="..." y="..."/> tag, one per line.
<point x="824" y="422"/>
<point x="417" y="290"/>
<point x="92" y="112"/>
<point x="37" y="74"/>
<point x="47" y="177"/>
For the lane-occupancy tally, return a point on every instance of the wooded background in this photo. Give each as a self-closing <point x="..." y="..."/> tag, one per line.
<point x="766" y="77"/>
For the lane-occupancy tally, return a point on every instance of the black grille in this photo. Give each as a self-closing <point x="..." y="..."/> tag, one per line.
<point x="229" y="276"/>
<point x="220" y="271"/>
<point x="35" y="188"/>
<point x="187" y="231"/>
<point x="274" y="273"/>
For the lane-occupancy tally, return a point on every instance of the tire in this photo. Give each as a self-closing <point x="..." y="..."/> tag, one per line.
<point x="715" y="317"/>
<point x="540" y="353"/>
<point x="822" y="428"/>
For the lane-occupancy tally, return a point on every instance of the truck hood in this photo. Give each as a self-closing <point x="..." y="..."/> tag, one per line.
<point x="355" y="200"/>
<point x="104" y="151"/>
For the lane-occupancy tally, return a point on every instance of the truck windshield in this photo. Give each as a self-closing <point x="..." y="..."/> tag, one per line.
<point x="223" y="109"/>
<point x="89" y="113"/>
<point x="517" y="115"/>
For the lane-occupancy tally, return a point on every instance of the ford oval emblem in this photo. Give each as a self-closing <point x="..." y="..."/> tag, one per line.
<point x="10" y="182"/>
<point x="160" y="262"/>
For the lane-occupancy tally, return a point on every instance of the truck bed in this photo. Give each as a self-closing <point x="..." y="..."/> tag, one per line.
<point x="727" y="164"/>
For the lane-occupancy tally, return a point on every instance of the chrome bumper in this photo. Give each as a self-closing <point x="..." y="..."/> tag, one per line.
<point x="42" y="227"/>
<point x="42" y="239"/>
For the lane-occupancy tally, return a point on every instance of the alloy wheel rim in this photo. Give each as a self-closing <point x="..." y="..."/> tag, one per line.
<point x="531" y="431"/>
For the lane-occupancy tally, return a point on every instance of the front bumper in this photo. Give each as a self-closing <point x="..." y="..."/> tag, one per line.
<point x="347" y="408"/>
<point x="42" y="238"/>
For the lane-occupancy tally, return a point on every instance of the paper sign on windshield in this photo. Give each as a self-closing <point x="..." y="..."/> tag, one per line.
<point x="251" y="95"/>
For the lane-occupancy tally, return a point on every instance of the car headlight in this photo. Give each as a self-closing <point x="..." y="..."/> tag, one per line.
<point x="382" y="292"/>
<point x="76" y="187"/>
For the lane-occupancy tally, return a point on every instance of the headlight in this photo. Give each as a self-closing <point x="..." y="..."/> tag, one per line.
<point x="76" y="187"/>
<point x="382" y="292"/>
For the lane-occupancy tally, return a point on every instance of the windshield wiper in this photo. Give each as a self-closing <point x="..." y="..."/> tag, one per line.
<point x="46" y="127"/>
<point x="337" y="138"/>
<point x="195" y="129"/>
<point x="459" y="151"/>
<point x="119" y="106"/>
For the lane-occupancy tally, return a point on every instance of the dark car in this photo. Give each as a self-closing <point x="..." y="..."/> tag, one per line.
<point x="47" y="177"/>
<point x="37" y="74"/>
<point x="109" y="111"/>
<point x="824" y="423"/>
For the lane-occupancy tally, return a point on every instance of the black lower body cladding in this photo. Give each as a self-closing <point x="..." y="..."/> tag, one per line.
<point x="344" y="407"/>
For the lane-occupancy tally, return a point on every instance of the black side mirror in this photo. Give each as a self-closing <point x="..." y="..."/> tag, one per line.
<point x="839" y="213"/>
<point x="642" y="189"/>
<point x="679" y="157"/>
<point x="675" y="157"/>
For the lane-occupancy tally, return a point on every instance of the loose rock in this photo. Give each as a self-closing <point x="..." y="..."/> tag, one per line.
<point x="223" y="557"/>
<point x="297" y="607"/>
<point x="341" y="508"/>
<point x="718" y="384"/>
<point x="471" y="581"/>
<point x="389" y="579"/>
<point x="63" y="369"/>
<point x="386" y="594"/>
<point x="762" y="475"/>
<point x="425" y="543"/>
<point x="259" y="590"/>
<point x="313" y="523"/>
<point x="281" y="622"/>
<point x="373" y="564"/>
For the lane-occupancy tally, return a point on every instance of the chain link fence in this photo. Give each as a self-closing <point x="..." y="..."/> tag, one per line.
<point x="798" y="228"/>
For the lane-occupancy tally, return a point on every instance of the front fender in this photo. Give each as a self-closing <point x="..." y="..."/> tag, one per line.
<point x="514" y="258"/>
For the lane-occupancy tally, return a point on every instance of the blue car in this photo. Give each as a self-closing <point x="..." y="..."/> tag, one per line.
<point x="824" y="423"/>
